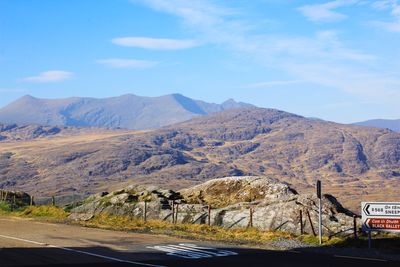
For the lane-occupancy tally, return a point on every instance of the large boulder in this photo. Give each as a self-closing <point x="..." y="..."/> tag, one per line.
<point x="230" y="190"/>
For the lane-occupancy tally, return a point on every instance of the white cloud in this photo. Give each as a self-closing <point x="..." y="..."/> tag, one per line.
<point x="326" y="12"/>
<point x="394" y="7"/>
<point x="126" y="63"/>
<point x="155" y="43"/>
<point x="49" y="76"/>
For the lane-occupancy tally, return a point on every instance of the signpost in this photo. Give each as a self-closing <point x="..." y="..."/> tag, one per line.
<point x="380" y="217"/>
<point x="319" y="195"/>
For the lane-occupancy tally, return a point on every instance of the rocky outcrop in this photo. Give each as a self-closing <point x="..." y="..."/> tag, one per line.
<point x="13" y="132"/>
<point x="274" y="205"/>
<point x="232" y="190"/>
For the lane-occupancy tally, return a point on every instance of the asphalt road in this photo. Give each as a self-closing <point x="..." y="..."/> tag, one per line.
<point x="31" y="243"/>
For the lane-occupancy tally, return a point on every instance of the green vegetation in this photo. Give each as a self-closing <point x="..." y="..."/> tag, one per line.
<point x="50" y="213"/>
<point x="5" y="207"/>
<point x="8" y="208"/>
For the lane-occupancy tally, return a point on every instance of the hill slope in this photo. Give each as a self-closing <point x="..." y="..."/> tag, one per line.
<point x="127" y="111"/>
<point x="353" y="162"/>
<point x="393" y="125"/>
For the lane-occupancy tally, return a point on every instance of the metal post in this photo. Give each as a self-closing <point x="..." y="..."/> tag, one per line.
<point x="355" y="226"/>
<point x="369" y="240"/>
<point x="319" y="195"/>
<point x="53" y="201"/>
<point x="320" y="223"/>
<point x="301" y="223"/>
<point x="209" y="215"/>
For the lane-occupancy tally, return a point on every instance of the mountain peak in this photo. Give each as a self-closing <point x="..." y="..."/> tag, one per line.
<point x="229" y="101"/>
<point x="125" y="111"/>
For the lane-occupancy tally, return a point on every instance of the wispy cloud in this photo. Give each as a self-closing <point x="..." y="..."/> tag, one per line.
<point x="155" y="43"/>
<point x="269" y="84"/>
<point x="394" y="7"/>
<point x="322" y="59"/>
<point x="126" y="63"/>
<point x="326" y="12"/>
<point x="49" y="76"/>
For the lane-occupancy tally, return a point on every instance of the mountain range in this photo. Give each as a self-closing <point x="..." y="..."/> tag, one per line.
<point x="354" y="163"/>
<point x="393" y="125"/>
<point x="126" y="111"/>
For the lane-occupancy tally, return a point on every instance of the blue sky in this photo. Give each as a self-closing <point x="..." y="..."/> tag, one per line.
<point x="337" y="60"/>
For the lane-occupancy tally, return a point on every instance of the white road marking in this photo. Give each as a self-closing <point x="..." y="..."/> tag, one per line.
<point x="192" y="251"/>
<point x="79" y="251"/>
<point x="358" y="258"/>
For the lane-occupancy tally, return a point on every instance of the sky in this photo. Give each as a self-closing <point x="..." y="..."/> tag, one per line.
<point x="335" y="60"/>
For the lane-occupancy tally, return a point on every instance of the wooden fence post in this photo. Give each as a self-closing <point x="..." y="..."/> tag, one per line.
<point x="251" y="217"/>
<point x="176" y="212"/>
<point x="301" y="223"/>
<point x="145" y="212"/>
<point x="31" y="202"/>
<point x="53" y="201"/>
<point x="173" y="211"/>
<point x="312" y="226"/>
<point x="355" y="226"/>
<point x="5" y="197"/>
<point x="209" y="215"/>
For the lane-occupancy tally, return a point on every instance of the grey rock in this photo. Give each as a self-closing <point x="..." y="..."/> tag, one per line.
<point x="276" y="206"/>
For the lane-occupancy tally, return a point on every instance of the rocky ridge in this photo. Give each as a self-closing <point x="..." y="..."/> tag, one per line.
<point x="275" y="205"/>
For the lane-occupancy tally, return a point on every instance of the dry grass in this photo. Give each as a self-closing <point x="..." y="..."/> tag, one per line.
<point x="191" y="231"/>
<point x="50" y="212"/>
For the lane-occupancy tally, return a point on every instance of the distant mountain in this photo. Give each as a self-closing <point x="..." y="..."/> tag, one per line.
<point x="127" y="111"/>
<point x="393" y="125"/>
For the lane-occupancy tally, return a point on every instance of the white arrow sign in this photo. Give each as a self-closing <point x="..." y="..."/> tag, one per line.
<point x="374" y="209"/>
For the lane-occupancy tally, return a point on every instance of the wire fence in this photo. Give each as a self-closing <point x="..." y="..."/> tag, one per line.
<point x="180" y="213"/>
<point x="19" y="199"/>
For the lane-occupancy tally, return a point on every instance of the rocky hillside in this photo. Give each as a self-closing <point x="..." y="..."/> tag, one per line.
<point x="275" y="206"/>
<point x="354" y="163"/>
<point x="127" y="111"/>
<point x="14" y="132"/>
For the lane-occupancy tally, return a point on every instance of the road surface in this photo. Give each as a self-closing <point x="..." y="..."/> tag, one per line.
<point x="26" y="242"/>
